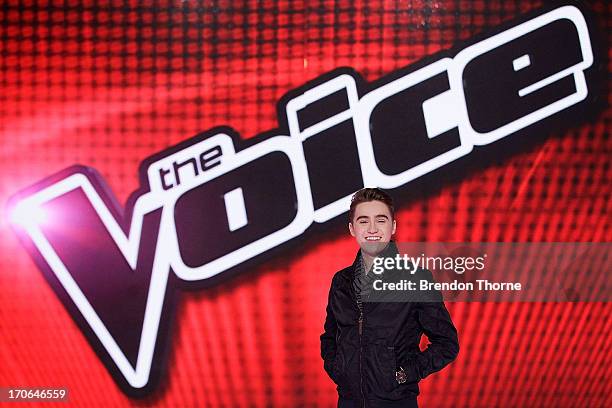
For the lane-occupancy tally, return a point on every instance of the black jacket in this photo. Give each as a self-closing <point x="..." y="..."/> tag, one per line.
<point x="363" y="363"/>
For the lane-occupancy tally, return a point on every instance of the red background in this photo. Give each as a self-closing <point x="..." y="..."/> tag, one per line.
<point x="107" y="86"/>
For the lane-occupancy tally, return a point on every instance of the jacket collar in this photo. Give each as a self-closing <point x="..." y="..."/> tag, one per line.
<point x="389" y="251"/>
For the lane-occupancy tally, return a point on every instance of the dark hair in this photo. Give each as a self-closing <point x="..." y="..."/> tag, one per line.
<point x="370" y="194"/>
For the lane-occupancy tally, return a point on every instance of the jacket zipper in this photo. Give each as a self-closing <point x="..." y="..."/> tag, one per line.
<point x="360" y="331"/>
<point x="360" y="353"/>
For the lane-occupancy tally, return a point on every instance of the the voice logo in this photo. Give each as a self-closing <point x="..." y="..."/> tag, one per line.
<point x="205" y="207"/>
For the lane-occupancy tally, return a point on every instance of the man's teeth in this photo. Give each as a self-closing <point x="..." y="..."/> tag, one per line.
<point x="372" y="238"/>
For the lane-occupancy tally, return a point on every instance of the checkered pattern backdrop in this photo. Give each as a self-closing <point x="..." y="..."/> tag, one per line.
<point x="106" y="85"/>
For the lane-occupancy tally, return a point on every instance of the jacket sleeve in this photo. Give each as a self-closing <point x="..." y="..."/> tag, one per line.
<point x="436" y="323"/>
<point x="328" y="338"/>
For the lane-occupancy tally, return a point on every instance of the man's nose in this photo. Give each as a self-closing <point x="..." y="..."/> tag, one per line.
<point x="372" y="228"/>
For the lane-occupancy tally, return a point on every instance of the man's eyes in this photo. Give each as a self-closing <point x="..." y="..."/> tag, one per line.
<point x="380" y="220"/>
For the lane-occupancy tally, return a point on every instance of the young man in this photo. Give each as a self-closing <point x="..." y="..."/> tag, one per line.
<point x="371" y="349"/>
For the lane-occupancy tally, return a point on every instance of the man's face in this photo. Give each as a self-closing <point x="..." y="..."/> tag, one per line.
<point x="372" y="226"/>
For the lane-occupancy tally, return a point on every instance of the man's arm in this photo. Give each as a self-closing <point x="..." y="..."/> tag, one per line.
<point x="436" y="323"/>
<point x="444" y="348"/>
<point x="328" y="338"/>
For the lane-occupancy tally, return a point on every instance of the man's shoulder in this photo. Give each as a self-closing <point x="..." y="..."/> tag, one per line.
<point x="344" y="273"/>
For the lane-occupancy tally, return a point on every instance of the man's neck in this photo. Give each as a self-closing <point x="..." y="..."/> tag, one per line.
<point x="368" y="260"/>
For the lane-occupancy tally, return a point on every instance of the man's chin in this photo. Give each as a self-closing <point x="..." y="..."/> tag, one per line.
<point x="373" y="249"/>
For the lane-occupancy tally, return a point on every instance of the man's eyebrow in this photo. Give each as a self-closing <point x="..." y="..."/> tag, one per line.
<point x="376" y="216"/>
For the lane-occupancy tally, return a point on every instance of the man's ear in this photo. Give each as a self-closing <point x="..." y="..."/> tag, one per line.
<point x="351" y="229"/>
<point x="394" y="226"/>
